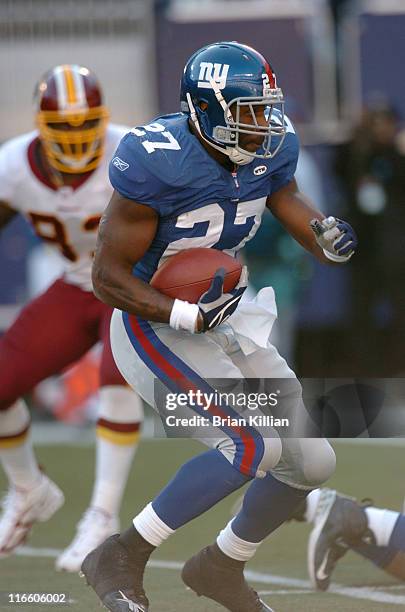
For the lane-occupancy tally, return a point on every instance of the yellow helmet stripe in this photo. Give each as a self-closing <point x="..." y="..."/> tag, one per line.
<point x="70" y="85"/>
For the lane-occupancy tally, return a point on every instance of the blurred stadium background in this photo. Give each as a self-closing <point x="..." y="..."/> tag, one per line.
<point x="340" y="64"/>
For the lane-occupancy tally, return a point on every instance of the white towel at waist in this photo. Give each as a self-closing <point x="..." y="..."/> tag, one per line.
<point x="252" y="321"/>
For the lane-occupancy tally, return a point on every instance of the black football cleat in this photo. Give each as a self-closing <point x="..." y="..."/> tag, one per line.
<point x="216" y="576"/>
<point x="340" y="522"/>
<point x="117" y="576"/>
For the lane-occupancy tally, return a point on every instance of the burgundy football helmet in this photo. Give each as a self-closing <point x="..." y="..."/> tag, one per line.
<point x="71" y="118"/>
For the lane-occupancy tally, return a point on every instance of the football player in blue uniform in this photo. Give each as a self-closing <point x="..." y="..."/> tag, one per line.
<point x="203" y="178"/>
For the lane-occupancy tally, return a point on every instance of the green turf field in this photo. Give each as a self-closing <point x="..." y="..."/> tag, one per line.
<point x="278" y="570"/>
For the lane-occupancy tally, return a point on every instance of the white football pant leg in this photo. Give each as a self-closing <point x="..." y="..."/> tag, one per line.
<point x="206" y="355"/>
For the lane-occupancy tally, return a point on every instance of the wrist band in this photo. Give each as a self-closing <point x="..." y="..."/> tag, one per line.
<point x="184" y="316"/>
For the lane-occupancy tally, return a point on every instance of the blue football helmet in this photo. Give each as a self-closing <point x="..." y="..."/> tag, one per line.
<point x="228" y="76"/>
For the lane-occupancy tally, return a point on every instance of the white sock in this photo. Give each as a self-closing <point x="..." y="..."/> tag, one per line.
<point x="151" y="527"/>
<point x="115" y="449"/>
<point x="16" y="452"/>
<point x="234" y="547"/>
<point x="312" y="503"/>
<point x="381" y="522"/>
<point x="113" y="463"/>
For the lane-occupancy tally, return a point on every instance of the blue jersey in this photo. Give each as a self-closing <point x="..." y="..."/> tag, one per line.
<point x="199" y="202"/>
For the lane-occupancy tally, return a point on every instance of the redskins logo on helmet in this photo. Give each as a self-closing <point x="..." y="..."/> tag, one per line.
<point x="71" y="118"/>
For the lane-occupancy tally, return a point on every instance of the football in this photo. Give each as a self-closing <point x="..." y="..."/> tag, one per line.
<point x="188" y="274"/>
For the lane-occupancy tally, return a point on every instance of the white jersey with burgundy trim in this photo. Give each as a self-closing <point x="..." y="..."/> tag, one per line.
<point x="66" y="218"/>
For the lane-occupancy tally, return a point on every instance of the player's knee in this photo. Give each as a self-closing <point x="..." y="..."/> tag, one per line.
<point x="268" y="452"/>
<point x="319" y="462"/>
<point x="272" y="449"/>
<point x="111" y="376"/>
<point x="119" y="403"/>
<point x="15" y="419"/>
<point x="10" y="386"/>
<point x="306" y="463"/>
<point x="8" y="394"/>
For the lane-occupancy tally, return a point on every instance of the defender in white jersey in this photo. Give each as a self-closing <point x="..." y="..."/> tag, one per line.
<point x="57" y="178"/>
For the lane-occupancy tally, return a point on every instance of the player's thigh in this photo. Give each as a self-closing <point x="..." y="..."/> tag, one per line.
<point x="157" y="360"/>
<point x="305" y="463"/>
<point x="263" y="363"/>
<point x="166" y="354"/>
<point x="49" y="334"/>
<point x="276" y="379"/>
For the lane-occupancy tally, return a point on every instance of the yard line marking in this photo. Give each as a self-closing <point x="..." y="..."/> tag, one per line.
<point x="364" y="593"/>
<point x="290" y="592"/>
<point x="367" y="593"/>
<point x="392" y="587"/>
<point x="30" y="551"/>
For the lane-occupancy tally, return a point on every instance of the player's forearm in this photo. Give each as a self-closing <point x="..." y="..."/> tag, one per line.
<point x="130" y="294"/>
<point x="295" y="211"/>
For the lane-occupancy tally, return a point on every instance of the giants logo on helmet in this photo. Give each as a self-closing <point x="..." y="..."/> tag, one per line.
<point x="212" y="72"/>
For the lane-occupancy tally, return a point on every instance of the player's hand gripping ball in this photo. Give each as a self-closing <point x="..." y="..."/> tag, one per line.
<point x="189" y="274"/>
<point x="216" y="305"/>
<point x="207" y="277"/>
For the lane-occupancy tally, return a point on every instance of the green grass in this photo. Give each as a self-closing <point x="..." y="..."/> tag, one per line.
<point x="362" y="471"/>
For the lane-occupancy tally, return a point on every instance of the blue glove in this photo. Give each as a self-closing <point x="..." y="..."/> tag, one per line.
<point x="215" y="305"/>
<point x="336" y="238"/>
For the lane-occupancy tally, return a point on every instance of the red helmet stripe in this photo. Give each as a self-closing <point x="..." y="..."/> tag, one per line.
<point x="267" y="67"/>
<point x="271" y="75"/>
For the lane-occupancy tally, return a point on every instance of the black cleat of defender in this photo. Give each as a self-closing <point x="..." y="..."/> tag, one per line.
<point x="206" y="575"/>
<point x="340" y="522"/>
<point x="116" y="577"/>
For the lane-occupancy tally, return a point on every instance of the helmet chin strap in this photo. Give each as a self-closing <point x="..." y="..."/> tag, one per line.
<point x="235" y="156"/>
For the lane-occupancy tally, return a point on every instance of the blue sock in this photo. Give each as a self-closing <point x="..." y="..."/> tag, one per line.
<point x="198" y="485"/>
<point x="379" y="555"/>
<point x="383" y="555"/>
<point x="397" y="539"/>
<point x="267" y="504"/>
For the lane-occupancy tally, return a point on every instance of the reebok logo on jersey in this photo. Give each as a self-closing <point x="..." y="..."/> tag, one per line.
<point x="259" y="170"/>
<point x="120" y="164"/>
<point x="212" y="72"/>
